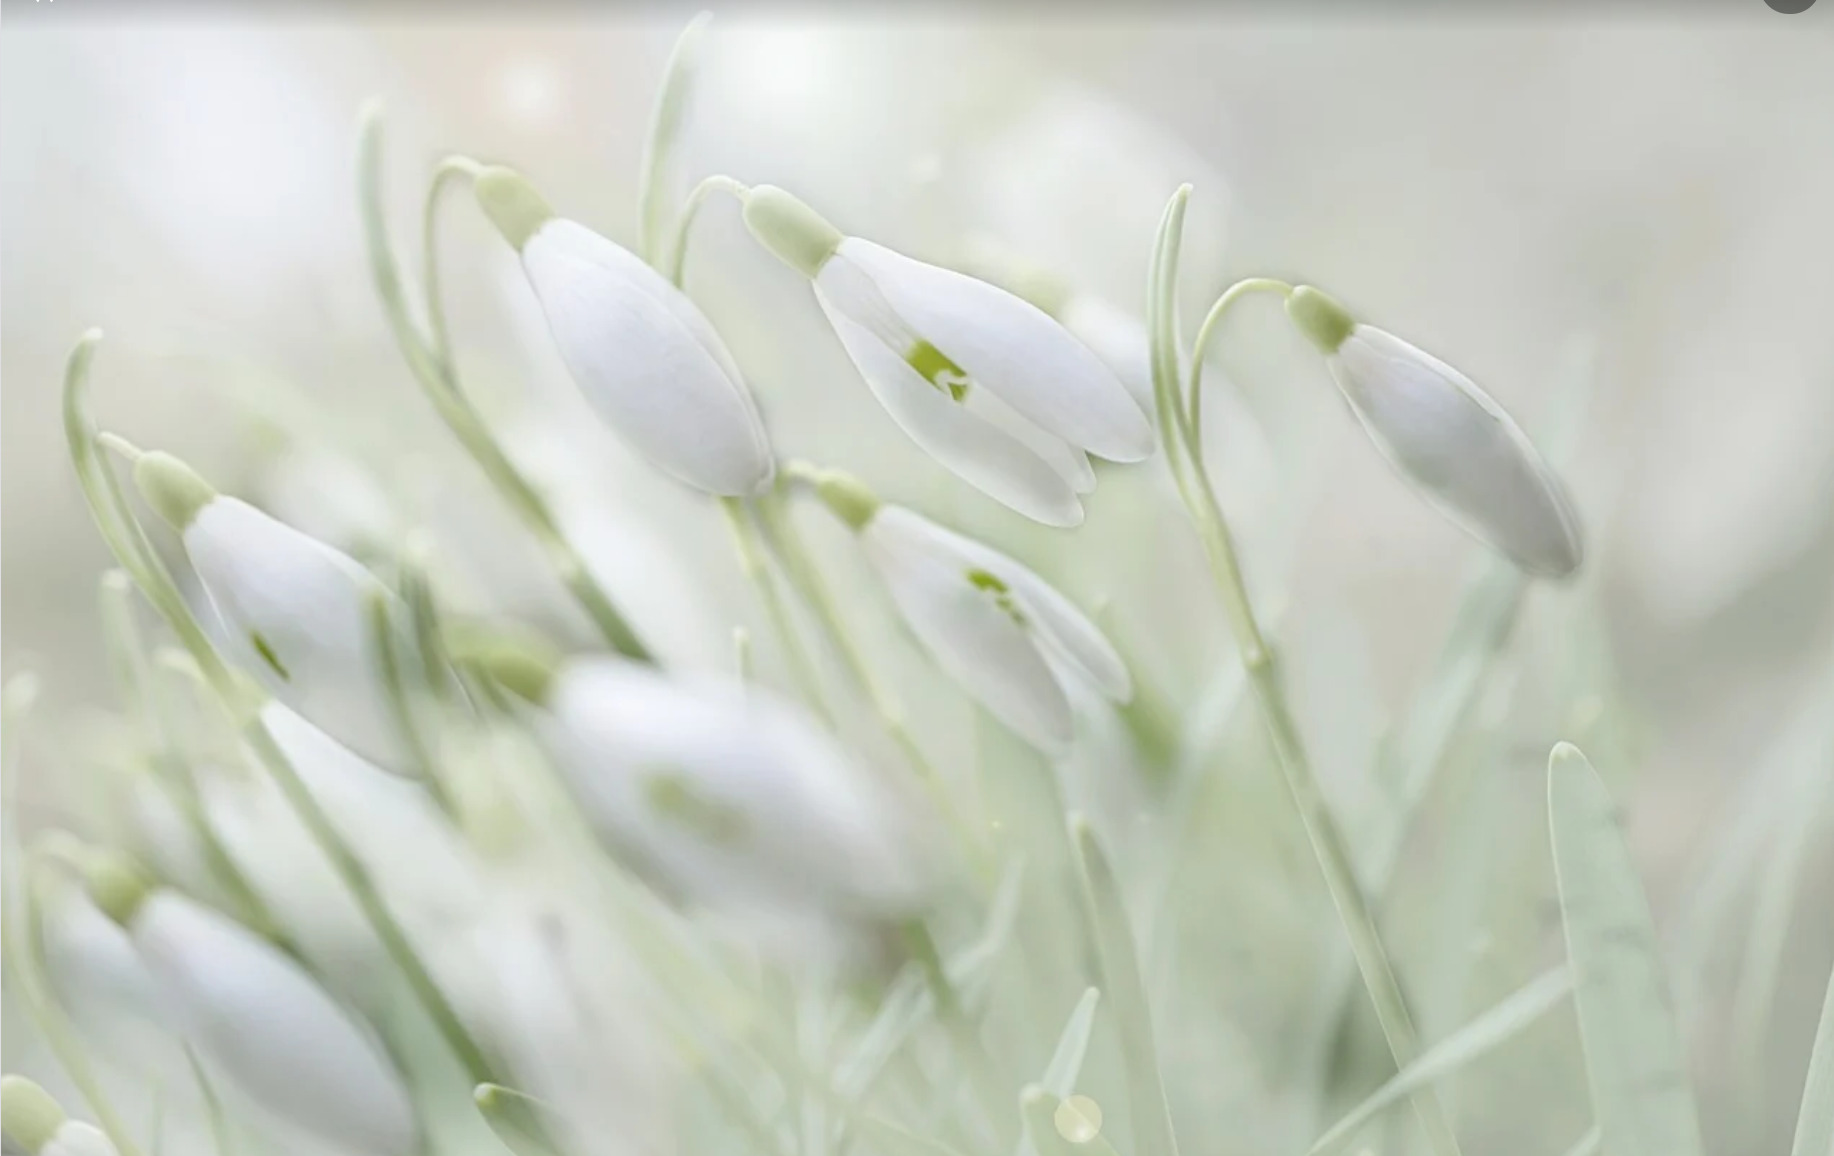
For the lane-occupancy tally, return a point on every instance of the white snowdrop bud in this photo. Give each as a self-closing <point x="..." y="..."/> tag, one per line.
<point x="260" y="1019"/>
<point x="643" y="354"/>
<point x="984" y="381"/>
<point x="1447" y="437"/>
<point x="726" y="795"/>
<point x="1012" y="641"/>
<point x="296" y="613"/>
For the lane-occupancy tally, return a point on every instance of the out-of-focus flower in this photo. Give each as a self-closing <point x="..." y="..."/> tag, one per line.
<point x="37" y="1123"/>
<point x="1447" y="437"/>
<point x="643" y="354"/>
<point x="726" y="795"/>
<point x="261" y="1019"/>
<point x="984" y="381"/>
<point x="295" y="612"/>
<point x="1012" y="641"/>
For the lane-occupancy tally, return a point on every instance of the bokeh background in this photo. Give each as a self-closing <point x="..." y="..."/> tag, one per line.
<point x="1618" y="222"/>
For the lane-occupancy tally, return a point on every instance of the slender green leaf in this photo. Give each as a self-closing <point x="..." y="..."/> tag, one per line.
<point x="1473" y="1041"/>
<point x="1152" y="1117"/>
<point x="1067" y="1061"/>
<point x="1815" y="1123"/>
<point x="1633" y="1051"/>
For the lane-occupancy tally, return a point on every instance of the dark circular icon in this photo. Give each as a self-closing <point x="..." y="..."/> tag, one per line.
<point x="1789" y="7"/>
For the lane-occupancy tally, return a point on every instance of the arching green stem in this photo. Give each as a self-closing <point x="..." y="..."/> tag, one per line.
<point x="675" y="259"/>
<point x="432" y="367"/>
<point x="1200" y="349"/>
<point x="1328" y="846"/>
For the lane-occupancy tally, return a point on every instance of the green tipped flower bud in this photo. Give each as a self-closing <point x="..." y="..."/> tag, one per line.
<point x="512" y="204"/>
<point x="31" y="1116"/>
<point x="847" y="496"/>
<point x="116" y="885"/>
<point x="1318" y="315"/>
<point x="172" y="488"/>
<point x="799" y="236"/>
<point x="525" y="666"/>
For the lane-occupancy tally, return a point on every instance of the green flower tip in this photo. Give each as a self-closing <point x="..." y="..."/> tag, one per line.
<point x="511" y="203"/>
<point x="847" y="496"/>
<point x="799" y="236"/>
<point x="1318" y="315"/>
<point x="526" y="667"/>
<point x="116" y="885"/>
<point x="172" y="488"/>
<point x="31" y="1116"/>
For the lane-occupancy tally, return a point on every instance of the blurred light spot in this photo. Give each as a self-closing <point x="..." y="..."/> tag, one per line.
<point x="1078" y="1119"/>
<point x="784" y="66"/>
<point x="531" y="91"/>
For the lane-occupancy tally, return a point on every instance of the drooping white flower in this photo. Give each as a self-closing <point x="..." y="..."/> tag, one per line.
<point x="1447" y="437"/>
<point x="1012" y="641"/>
<point x="261" y="1020"/>
<point x="984" y="381"/>
<point x="643" y="354"/>
<point x="295" y="612"/>
<point x="726" y="795"/>
<point x="36" y="1122"/>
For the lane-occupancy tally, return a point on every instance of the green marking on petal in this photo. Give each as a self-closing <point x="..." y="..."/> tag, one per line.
<point x="672" y="796"/>
<point x="268" y="656"/>
<point x="1002" y="593"/>
<point x="936" y="368"/>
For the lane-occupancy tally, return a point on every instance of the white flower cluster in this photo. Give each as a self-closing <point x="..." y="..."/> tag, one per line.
<point x="380" y="823"/>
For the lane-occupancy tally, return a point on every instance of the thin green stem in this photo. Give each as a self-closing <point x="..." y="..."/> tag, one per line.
<point x="127" y="539"/>
<point x="438" y="379"/>
<point x="1321" y="828"/>
<point x="756" y="568"/>
<point x="983" y="1075"/>
<point x="128" y="647"/>
<point x="677" y="255"/>
<point x="1200" y="349"/>
<point x="403" y="693"/>
<point x="452" y="167"/>
<point x="659" y="141"/>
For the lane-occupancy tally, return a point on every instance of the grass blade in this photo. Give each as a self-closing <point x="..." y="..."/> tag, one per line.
<point x="1476" y="1039"/>
<point x="1633" y="1051"/>
<point x="1067" y="1061"/>
<point x="1152" y="1117"/>
<point x="1815" y="1123"/>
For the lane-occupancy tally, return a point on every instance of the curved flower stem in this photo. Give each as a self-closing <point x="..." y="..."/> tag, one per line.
<point x="1321" y="828"/>
<point x="659" y="141"/>
<point x="126" y="538"/>
<point x="1194" y="401"/>
<point x="677" y="253"/>
<point x="433" y="370"/>
<point x="125" y="639"/>
<point x="449" y="169"/>
<point x="781" y="532"/>
<point x="756" y="567"/>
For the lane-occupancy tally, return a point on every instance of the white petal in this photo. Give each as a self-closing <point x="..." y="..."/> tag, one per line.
<point x="1450" y="439"/>
<point x="1118" y="338"/>
<point x="989" y="459"/>
<point x="800" y="822"/>
<point x="1055" y="619"/>
<point x="75" y="1138"/>
<point x="977" y="643"/>
<point x="1014" y="349"/>
<point x="648" y="360"/>
<point x="1071" y="463"/>
<point x="307" y="605"/>
<point x="271" y="1030"/>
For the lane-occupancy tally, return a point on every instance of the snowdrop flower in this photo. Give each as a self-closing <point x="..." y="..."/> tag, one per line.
<point x="37" y="1123"/>
<point x="984" y="381"/>
<point x="295" y="612"/>
<point x="1447" y="437"/>
<point x="726" y="795"/>
<point x="260" y="1018"/>
<point x="643" y="354"/>
<point x="1013" y="642"/>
